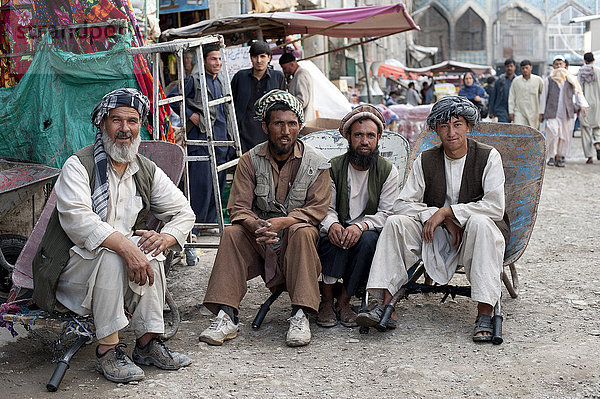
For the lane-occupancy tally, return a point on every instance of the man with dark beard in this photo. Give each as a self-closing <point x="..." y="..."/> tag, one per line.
<point x="279" y="195"/>
<point x="365" y="186"/>
<point x="97" y="256"/>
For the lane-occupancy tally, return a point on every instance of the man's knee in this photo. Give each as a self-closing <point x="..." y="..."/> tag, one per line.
<point x="367" y="241"/>
<point x="304" y="234"/>
<point x="233" y="233"/>
<point x="113" y="266"/>
<point x="478" y="222"/>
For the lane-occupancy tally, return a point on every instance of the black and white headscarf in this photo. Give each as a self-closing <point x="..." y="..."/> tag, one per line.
<point x="449" y="106"/>
<point x="117" y="98"/>
<point x="263" y="104"/>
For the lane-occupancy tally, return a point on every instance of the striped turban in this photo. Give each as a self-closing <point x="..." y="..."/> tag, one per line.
<point x="264" y="104"/>
<point x="121" y="98"/>
<point x="447" y="107"/>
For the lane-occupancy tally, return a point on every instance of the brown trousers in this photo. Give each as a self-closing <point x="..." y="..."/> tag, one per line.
<point x="240" y="259"/>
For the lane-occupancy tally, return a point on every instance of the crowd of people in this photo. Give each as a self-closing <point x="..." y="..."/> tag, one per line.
<point x="556" y="100"/>
<point x="304" y="224"/>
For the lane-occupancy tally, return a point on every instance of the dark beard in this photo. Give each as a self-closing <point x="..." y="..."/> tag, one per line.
<point x="363" y="161"/>
<point x="279" y="150"/>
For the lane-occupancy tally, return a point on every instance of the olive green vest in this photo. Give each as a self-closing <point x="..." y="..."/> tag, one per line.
<point x="265" y="205"/>
<point x="471" y="186"/>
<point x="378" y="174"/>
<point x="53" y="252"/>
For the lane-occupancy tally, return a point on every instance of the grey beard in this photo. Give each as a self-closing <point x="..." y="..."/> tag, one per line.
<point x="121" y="154"/>
<point x="363" y="161"/>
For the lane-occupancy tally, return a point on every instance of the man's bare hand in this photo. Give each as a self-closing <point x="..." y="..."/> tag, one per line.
<point x="195" y="119"/>
<point x="511" y="117"/>
<point x="455" y="231"/>
<point x="335" y="233"/>
<point x="434" y="221"/>
<point x="351" y="236"/>
<point x="138" y="266"/>
<point x="152" y="241"/>
<point x="541" y="118"/>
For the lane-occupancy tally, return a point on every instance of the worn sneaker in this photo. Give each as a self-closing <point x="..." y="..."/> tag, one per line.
<point x="220" y="330"/>
<point x="156" y="352"/>
<point x="299" y="332"/>
<point x="116" y="366"/>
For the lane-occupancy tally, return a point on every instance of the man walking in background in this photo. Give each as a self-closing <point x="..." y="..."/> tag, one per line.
<point x="524" y="97"/>
<point x="499" y="98"/>
<point x="589" y="78"/>
<point x="300" y="84"/>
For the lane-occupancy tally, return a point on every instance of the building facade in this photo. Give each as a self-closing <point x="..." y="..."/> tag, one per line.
<point x="489" y="31"/>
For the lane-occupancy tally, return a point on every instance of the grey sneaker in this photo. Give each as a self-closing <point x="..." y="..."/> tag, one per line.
<point x="299" y="332"/>
<point x="156" y="352"/>
<point x="220" y="330"/>
<point x="191" y="257"/>
<point x="116" y="366"/>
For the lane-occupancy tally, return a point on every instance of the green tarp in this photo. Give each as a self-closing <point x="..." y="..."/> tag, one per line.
<point x="46" y="117"/>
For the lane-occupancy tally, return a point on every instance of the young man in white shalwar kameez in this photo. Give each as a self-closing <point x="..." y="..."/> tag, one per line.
<point x="450" y="212"/>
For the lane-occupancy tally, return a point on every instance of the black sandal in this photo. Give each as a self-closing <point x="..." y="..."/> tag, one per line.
<point x="483" y="323"/>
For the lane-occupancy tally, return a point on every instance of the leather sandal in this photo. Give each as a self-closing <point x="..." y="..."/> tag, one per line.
<point x="483" y="323"/>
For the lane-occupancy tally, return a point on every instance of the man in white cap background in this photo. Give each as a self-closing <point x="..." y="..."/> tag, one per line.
<point x="561" y="94"/>
<point x="300" y="84"/>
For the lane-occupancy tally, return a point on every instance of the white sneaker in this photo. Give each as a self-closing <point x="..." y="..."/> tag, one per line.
<point x="299" y="331"/>
<point x="220" y="330"/>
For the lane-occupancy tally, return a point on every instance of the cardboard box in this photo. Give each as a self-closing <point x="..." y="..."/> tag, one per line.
<point x="319" y="124"/>
<point x="341" y="84"/>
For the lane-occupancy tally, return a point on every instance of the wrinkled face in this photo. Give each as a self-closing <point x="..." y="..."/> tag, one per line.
<point x="558" y="64"/>
<point x="289" y="68"/>
<point x="363" y="137"/>
<point x="260" y="62"/>
<point x="453" y="134"/>
<point x="283" y="131"/>
<point x="121" y="133"/>
<point x="510" y="69"/>
<point x="526" y="71"/>
<point x="213" y="62"/>
<point x="468" y="79"/>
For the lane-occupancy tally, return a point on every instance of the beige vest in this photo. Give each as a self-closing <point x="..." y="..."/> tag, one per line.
<point x="265" y="205"/>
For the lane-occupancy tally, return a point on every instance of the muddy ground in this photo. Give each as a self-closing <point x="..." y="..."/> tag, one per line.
<point x="551" y="332"/>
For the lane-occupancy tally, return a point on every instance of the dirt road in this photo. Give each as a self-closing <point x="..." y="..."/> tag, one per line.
<point x="551" y="332"/>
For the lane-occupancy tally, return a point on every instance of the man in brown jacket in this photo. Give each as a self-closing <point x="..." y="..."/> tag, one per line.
<point x="280" y="193"/>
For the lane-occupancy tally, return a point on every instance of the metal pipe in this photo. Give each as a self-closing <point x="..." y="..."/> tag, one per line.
<point x="364" y="61"/>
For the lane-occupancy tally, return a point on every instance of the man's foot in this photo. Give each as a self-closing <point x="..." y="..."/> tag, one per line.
<point x="156" y="352"/>
<point x="299" y="332"/>
<point x="220" y="330"/>
<point x="560" y="162"/>
<point x="326" y="317"/>
<point x="550" y="161"/>
<point x="370" y="318"/>
<point x="116" y="366"/>
<point x="347" y="315"/>
<point x="589" y="160"/>
<point x="597" y="146"/>
<point x="483" y="328"/>
<point x="191" y="257"/>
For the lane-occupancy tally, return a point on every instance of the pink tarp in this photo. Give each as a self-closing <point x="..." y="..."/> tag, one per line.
<point x="367" y="21"/>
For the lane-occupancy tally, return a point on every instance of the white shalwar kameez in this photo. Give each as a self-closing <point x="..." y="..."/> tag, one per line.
<point x="481" y="250"/>
<point x="95" y="280"/>
<point x="559" y="130"/>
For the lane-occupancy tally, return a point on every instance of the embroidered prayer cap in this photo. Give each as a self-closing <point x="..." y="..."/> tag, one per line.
<point x="447" y="107"/>
<point x="264" y="104"/>
<point x="365" y="110"/>
<point x="558" y="57"/>
<point x="124" y="97"/>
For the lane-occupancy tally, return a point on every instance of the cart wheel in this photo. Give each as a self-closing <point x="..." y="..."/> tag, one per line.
<point x="11" y="246"/>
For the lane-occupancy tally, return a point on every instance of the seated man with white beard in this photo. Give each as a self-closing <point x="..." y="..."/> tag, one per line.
<point x="97" y="256"/>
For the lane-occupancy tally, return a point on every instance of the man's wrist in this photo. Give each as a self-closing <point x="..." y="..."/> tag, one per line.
<point x="360" y="227"/>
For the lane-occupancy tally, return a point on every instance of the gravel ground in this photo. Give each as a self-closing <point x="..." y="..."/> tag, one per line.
<point x="550" y="349"/>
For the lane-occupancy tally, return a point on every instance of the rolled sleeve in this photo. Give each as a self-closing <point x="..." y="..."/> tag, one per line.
<point x="169" y="205"/>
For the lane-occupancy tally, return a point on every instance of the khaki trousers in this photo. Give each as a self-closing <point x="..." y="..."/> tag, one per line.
<point x="240" y="259"/>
